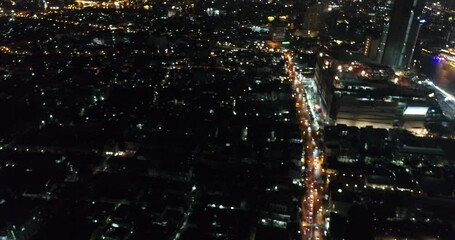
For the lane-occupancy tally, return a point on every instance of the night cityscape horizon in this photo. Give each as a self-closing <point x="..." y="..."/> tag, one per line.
<point x="227" y="119"/>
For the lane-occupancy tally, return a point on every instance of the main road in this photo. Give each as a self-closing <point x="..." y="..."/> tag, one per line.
<point x="312" y="204"/>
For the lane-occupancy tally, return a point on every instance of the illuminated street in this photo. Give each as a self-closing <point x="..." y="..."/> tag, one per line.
<point x="313" y="206"/>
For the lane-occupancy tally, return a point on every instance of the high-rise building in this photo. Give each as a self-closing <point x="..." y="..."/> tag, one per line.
<point x="312" y="22"/>
<point x="402" y="33"/>
<point x="371" y="47"/>
<point x="278" y="28"/>
<point x="278" y="33"/>
<point x="451" y="35"/>
<point x="449" y="4"/>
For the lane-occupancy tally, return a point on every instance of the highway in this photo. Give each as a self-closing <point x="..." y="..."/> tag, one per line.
<point x="312" y="205"/>
<point x="445" y="99"/>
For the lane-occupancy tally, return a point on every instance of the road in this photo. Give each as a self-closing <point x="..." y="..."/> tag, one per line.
<point x="312" y="204"/>
<point x="445" y="99"/>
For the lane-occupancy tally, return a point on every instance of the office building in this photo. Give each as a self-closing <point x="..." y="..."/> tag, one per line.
<point x="402" y="32"/>
<point x="371" y="47"/>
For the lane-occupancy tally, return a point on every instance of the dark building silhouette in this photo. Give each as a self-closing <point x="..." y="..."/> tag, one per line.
<point x="313" y="20"/>
<point x="402" y="33"/>
<point x="449" y="4"/>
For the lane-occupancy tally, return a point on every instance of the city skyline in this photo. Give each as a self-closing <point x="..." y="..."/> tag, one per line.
<point x="184" y="120"/>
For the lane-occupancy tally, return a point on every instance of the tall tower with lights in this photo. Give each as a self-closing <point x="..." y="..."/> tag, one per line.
<point x="402" y="33"/>
<point x="42" y="4"/>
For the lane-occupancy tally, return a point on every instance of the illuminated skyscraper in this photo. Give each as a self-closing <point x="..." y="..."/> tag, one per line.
<point x="402" y="33"/>
<point x="42" y="4"/>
